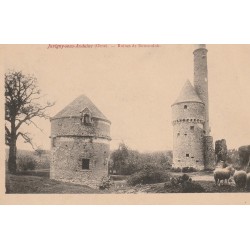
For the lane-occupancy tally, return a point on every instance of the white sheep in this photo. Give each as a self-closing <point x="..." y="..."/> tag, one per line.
<point x="240" y="178"/>
<point x="223" y="174"/>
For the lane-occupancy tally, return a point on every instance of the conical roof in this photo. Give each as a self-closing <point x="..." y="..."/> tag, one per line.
<point x="77" y="106"/>
<point x="188" y="94"/>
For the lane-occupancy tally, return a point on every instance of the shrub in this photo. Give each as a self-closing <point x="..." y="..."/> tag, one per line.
<point x="176" y="170"/>
<point x="188" y="170"/>
<point x="26" y="162"/>
<point x="185" y="184"/>
<point x="192" y="187"/>
<point x="43" y="163"/>
<point x="148" y="175"/>
<point x="106" y="183"/>
<point x="125" y="161"/>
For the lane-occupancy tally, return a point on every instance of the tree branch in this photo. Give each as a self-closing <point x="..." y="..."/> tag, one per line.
<point x="27" y="138"/>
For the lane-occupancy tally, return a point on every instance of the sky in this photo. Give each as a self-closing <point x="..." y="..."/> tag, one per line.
<point x="134" y="87"/>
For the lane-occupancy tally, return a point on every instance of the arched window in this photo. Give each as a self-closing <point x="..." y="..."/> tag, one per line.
<point x="86" y="119"/>
<point x="185" y="106"/>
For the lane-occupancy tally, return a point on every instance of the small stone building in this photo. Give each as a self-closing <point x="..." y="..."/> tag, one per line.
<point x="80" y="137"/>
<point x="193" y="145"/>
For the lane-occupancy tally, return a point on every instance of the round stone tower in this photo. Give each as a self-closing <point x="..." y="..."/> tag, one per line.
<point x="193" y="145"/>
<point x="80" y="136"/>
<point x="188" y="117"/>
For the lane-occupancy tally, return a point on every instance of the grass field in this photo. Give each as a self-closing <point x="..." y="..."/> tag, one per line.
<point x="39" y="182"/>
<point x="205" y="179"/>
<point x="31" y="184"/>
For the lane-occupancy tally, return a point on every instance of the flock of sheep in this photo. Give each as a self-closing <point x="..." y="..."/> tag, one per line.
<point x="240" y="177"/>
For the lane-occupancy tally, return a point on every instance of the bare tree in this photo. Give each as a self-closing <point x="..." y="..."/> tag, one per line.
<point x="21" y="106"/>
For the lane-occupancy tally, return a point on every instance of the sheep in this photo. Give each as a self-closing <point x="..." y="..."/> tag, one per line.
<point x="240" y="178"/>
<point x="248" y="181"/>
<point x="223" y="174"/>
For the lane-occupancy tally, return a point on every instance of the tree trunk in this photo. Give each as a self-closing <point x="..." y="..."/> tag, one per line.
<point x="12" y="150"/>
<point x="12" y="157"/>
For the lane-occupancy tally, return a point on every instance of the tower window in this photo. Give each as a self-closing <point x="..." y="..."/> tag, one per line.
<point x="185" y="106"/>
<point x="85" y="164"/>
<point x="192" y="127"/>
<point x="187" y="155"/>
<point x="86" y="119"/>
<point x="178" y="134"/>
<point x="185" y="134"/>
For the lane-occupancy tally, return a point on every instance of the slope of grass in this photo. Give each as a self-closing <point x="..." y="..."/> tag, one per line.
<point x="26" y="184"/>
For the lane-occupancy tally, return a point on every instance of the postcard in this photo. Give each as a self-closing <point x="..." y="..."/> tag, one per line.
<point x="125" y="124"/>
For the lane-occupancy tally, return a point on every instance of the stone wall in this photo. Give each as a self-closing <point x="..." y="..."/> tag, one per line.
<point x="209" y="155"/>
<point x="74" y="127"/>
<point x="188" y="123"/>
<point x="188" y="145"/>
<point x="66" y="160"/>
<point x="193" y="111"/>
<point x="201" y="81"/>
<point x="71" y="142"/>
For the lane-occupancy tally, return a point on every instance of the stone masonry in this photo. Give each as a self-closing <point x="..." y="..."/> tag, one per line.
<point x="192" y="143"/>
<point x="80" y="136"/>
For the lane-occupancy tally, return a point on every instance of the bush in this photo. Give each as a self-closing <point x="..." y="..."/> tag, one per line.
<point x="43" y="163"/>
<point x="176" y="170"/>
<point x="106" y="183"/>
<point x="148" y="175"/>
<point x="192" y="187"/>
<point x="185" y="184"/>
<point x="26" y="162"/>
<point x="188" y="170"/>
<point x="125" y="161"/>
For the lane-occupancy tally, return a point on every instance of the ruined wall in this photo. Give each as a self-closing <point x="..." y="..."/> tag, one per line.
<point x="188" y="137"/>
<point x="209" y="155"/>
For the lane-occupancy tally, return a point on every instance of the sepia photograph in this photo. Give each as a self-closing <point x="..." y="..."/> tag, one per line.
<point x="113" y="119"/>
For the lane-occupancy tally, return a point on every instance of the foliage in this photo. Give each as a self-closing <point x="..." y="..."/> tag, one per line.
<point x="125" y="161"/>
<point x="147" y="175"/>
<point x="106" y="183"/>
<point x="26" y="162"/>
<point x="221" y="150"/>
<point x="188" y="170"/>
<point x="21" y="107"/>
<point x="244" y="155"/>
<point x="185" y="184"/>
<point x="42" y="162"/>
<point x="233" y="157"/>
<point x="176" y="170"/>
